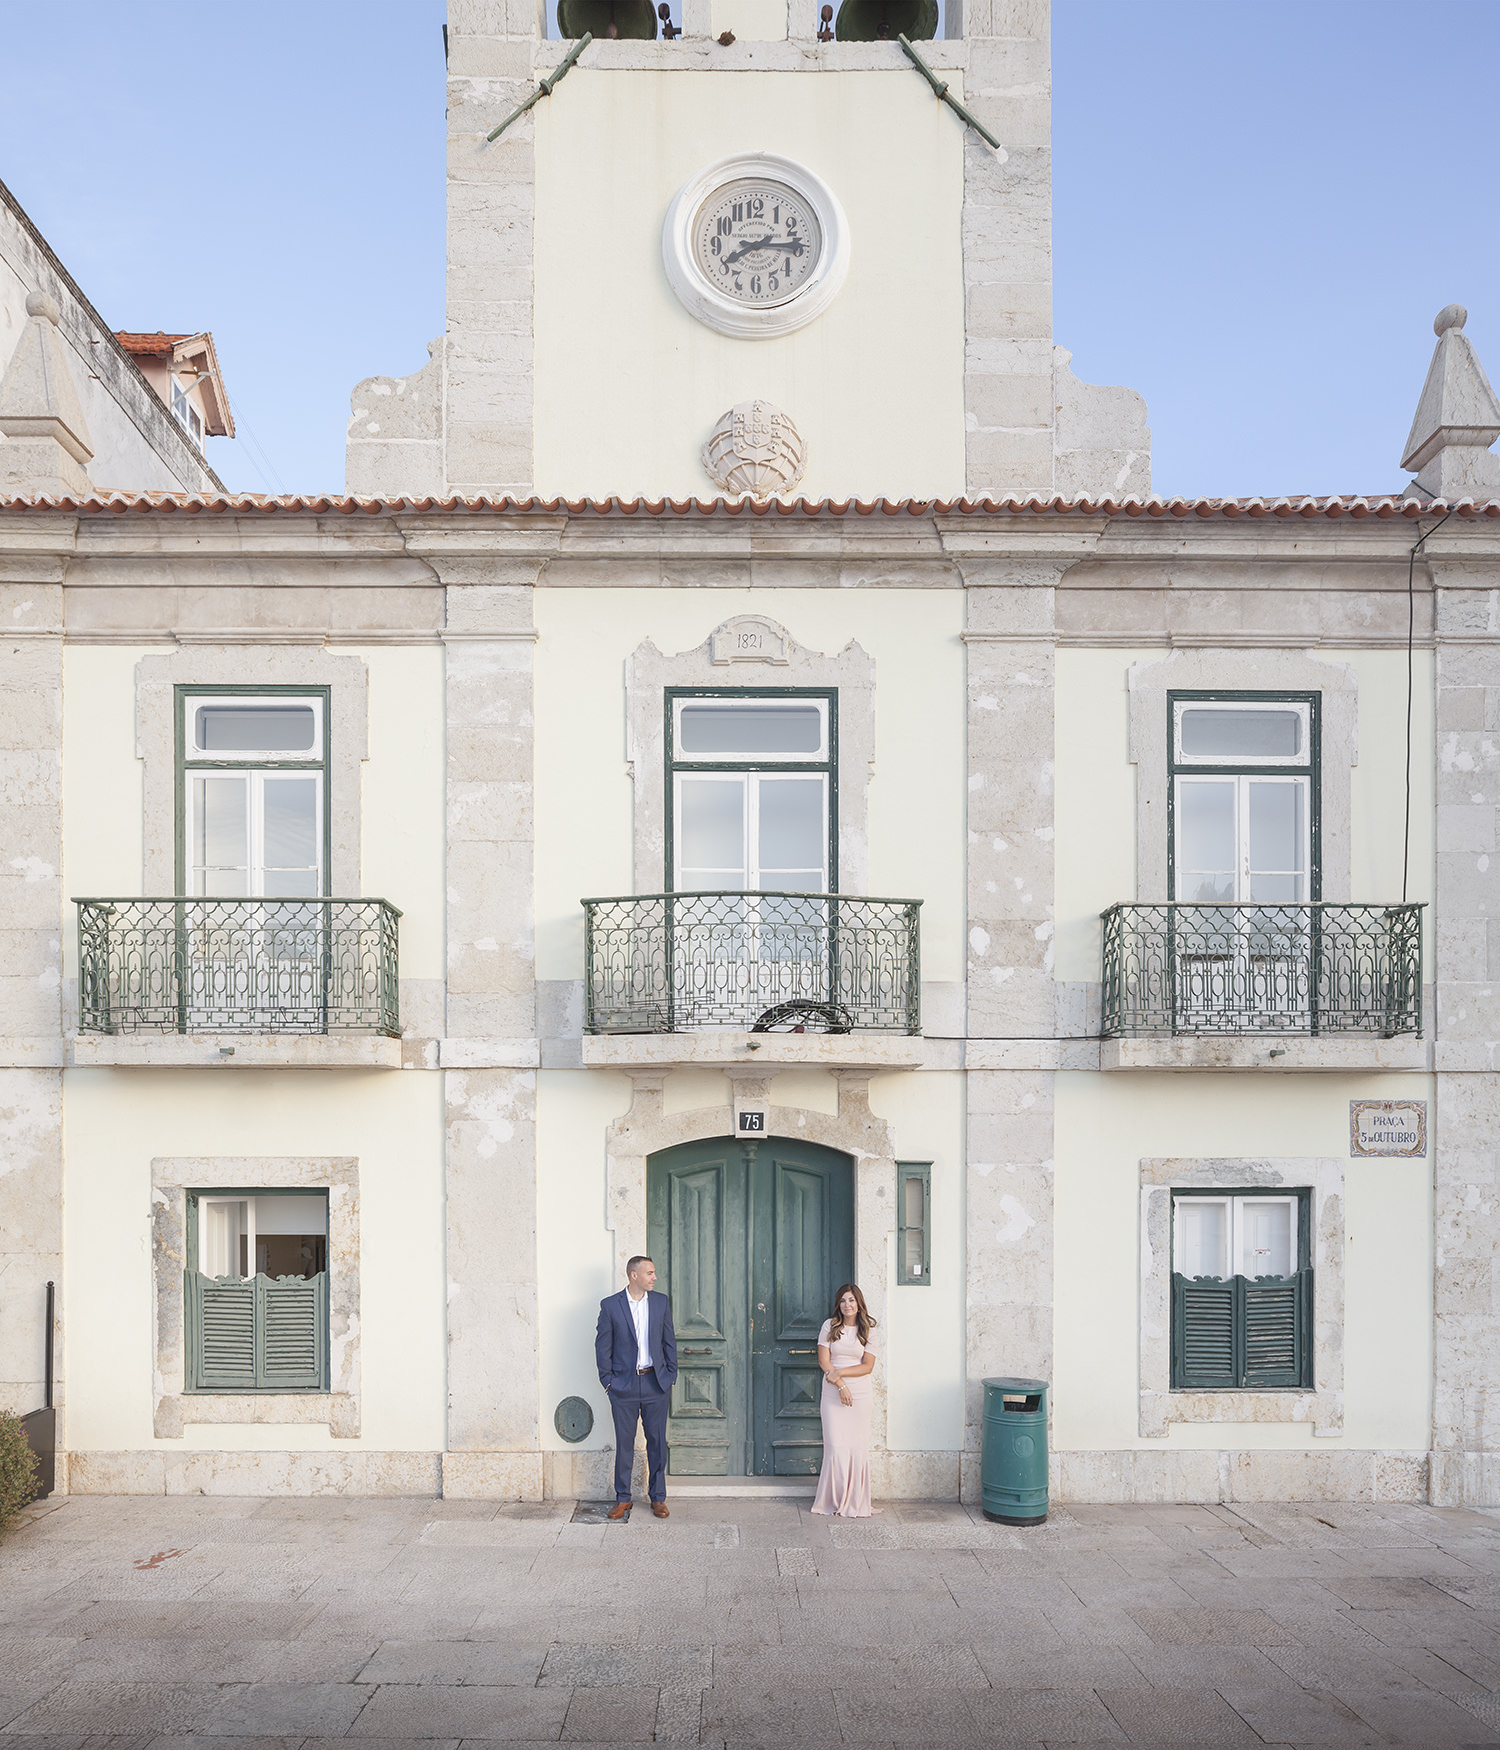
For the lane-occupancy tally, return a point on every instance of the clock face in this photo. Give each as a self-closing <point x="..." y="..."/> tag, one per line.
<point x="756" y="241"/>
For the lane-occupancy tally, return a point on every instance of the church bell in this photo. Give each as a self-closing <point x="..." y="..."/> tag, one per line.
<point x="878" y="21"/>
<point x="607" y="19"/>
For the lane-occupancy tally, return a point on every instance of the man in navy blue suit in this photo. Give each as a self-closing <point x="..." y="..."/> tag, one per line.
<point x="636" y="1349"/>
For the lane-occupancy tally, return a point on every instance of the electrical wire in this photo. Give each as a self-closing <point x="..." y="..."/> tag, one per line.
<point x="1411" y="627"/>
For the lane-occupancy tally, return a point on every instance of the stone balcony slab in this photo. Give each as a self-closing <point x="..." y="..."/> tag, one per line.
<point x="1278" y="1053"/>
<point x="873" y="1051"/>
<point x="233" y="1051"/>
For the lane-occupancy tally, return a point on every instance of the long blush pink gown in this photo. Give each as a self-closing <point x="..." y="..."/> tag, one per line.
<point x="844" y="1481"/>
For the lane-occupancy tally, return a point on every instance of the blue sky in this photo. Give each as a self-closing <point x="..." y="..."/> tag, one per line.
<point x="1259" y="209"/>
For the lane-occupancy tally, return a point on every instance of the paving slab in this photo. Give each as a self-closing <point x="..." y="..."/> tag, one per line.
<point x="173" y="1623"/>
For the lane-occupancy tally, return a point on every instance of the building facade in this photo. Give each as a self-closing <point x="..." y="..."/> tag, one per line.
<point x="805" y="821"/>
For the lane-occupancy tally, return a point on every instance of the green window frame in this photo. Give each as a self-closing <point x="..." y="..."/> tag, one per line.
<point x="827" y="767"/>
<point x="913" y="1224"/>
<point x="1309" y="769"/>
<point x="253" y="1333"/>
<point x="1232" y="1331"/>
<point x="188" y="761"/>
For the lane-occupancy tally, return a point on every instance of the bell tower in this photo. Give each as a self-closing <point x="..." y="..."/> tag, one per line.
<point x="769" y="222"/>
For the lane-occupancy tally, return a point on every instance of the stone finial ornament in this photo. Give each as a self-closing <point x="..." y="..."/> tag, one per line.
<point x="755" y="448"/>
<point x="46" y="442"/>
<point x="1457" y="420"/>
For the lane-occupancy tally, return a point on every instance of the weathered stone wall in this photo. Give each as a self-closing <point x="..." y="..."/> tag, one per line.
<point x="1466" y="1213"/>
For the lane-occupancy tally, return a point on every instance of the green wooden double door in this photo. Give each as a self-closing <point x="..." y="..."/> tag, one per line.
<point x="750" y="1240"/>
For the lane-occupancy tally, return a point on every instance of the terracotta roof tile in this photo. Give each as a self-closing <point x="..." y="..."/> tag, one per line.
<point x="156" y="345"/>
<point x="321" y="504"/>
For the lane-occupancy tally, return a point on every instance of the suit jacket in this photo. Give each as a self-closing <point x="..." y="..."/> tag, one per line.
<point x="615" y="1347"/>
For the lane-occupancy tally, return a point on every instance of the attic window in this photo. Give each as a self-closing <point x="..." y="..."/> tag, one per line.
<point x="184" y="412"/>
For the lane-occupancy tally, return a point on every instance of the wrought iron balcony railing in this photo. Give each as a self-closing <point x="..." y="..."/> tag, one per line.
<point x="761" y="962"/>
<point x="1312" y="968"/>
<point x="237" y="966"/>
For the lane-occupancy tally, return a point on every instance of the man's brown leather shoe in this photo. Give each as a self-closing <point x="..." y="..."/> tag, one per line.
<point x="659" y="1508"/>
<point x="620" y="1510"/>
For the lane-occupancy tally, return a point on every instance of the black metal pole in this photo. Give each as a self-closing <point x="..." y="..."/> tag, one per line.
<point x="51" y="1310"/>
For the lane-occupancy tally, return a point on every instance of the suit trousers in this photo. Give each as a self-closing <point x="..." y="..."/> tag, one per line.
<point x="644" y="1399"/>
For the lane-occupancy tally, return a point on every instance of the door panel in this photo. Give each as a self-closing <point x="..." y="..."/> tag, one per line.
<point x="750" y="1240"/>
<point x="696" y="1233"/>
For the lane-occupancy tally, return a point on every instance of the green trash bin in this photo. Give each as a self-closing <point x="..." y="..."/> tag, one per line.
<point x="1013" y="1451"/>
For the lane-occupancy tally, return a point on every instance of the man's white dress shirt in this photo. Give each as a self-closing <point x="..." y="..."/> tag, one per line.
<point x="640" y="1312"/>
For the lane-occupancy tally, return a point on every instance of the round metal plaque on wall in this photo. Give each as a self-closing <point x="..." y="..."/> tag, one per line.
<point x="574" y="1419"/>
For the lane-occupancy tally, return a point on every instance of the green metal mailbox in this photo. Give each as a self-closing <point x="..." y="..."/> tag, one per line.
<point x="1013" y="1451"/>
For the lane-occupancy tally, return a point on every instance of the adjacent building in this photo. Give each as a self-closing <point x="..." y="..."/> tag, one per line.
<point x="781" y="794"/>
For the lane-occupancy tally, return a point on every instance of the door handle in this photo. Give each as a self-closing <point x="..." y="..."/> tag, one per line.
<point x="695" y="1351"/>
<point x="801" y="1351"/>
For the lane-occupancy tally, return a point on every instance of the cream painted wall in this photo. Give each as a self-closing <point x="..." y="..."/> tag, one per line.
<point x="1096" y="790"/>
<point x="402" y="789"/>
<point x="752" y="21"/>
<point x="102" y="780"/>
<point x="1106" y="1124"/>
<point x="575" y="1250"/>
<point x="584" y="845"/>
<point x="923" y="1350"/>
<point x="628" y="384"/>
<point x="403" y="822"/>
<point x="116" y="1121"/>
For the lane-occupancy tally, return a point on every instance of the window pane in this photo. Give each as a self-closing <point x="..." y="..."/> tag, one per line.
<point x="1203" y="1237"/>
<point x="711" y="828"/>
<point x="291" y="823"/>
<point x="291" y="884"/>
<point x="221" y="834"/>
<point x="291" y="1236"/>
<point x="246" y="728"/>
<point x="224" y="1236"/>
<point x="791" y="831"/>
<point x="1248" y="734"/>
<point x="914" y="1220"/>
<point x="1205" y="840"/>
<point x="712" y="728"/>
<point x="1275" y="826"/>
<point x="1266" y="1237"/>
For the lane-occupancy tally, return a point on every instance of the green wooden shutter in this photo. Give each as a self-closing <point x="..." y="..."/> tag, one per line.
<point x="1275" y="1330"/>
<point x="224" y="1328"/>
<point x="291" y="1335"/>
<point x="1203" y="1346"/>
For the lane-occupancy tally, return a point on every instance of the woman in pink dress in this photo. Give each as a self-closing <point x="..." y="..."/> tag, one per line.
<point x="847" y="1358"/>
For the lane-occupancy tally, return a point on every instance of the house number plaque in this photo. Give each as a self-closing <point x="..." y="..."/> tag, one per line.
<point x="1388" y="1127"/>
<point x="752" y="1123"/>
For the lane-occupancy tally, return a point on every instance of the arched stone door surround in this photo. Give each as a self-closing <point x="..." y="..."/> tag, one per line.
<point x="855" y="1131"/>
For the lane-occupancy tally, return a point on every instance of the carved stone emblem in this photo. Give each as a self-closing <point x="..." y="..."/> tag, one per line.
<point x="755" y="448"/>
<point x="750" y="638"/>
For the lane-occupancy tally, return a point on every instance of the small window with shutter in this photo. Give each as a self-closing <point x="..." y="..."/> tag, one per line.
<point x="1242" y="1291"/>
<point x="255" y="1291"/>
<point x="913" y="1223"/>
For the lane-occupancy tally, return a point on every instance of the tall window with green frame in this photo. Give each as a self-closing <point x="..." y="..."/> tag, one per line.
<point x="252" y="792"/>
<point x="1243" y="805"/>
<point x="1242" y="1291"/>
<point x="752" y="799"/>
<point x="255" y="1291"/>
<point x="913" y="1223"/>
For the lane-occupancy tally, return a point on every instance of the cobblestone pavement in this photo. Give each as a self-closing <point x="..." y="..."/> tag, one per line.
<point x="144" y="1621"/>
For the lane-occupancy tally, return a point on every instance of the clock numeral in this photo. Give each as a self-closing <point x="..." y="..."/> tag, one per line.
<point x="726" y="228"/>
<point x="715" y="245"/>
<point x="773" y="283"/>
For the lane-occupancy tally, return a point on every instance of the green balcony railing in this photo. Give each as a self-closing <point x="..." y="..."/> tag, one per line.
<point x="1246" y="968"/>
<point x="237" y="966"/>
<point x="759" y="962"/>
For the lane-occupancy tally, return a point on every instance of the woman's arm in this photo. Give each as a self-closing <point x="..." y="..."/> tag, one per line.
<point x="834" y="1375"/>
<point x="866" y="1365"/>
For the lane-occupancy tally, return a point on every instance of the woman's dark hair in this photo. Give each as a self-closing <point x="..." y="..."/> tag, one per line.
<point x="863" y="1323"/>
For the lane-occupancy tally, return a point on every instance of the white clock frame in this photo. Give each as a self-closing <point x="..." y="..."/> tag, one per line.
<point x="707" y="302"/>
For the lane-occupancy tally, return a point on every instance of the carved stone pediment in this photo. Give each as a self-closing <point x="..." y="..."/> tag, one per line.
<point x="750" y="638"/>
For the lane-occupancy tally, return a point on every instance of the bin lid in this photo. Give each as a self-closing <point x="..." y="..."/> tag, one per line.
<point x="1016" y="1385"/>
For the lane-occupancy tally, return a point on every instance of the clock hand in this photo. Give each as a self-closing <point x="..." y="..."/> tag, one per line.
<point x="793" y="245"/>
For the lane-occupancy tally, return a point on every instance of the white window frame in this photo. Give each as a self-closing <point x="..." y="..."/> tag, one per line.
<point x="1242" y="871"/>
<point x="1300" y="707"/>
<point x="750" y="783"/>
<point x="751" y="701"/>
<point x="1234" y="1228"/>
<point x="193" y="755"/>
<point x="255" y="876"/>
<point x="246" y="1227"/>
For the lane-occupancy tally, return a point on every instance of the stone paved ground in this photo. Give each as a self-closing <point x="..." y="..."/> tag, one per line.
<point x="285" y="1623"/>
